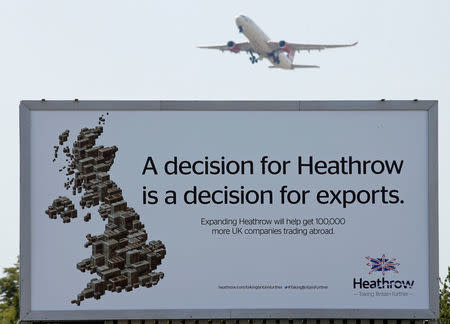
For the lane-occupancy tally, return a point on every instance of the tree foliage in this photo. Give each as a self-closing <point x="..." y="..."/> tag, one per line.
<point x="9" y="295"/>
<point x="444" y="299"/>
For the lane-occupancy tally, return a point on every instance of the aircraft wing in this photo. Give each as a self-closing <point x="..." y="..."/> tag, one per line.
<point x="305" y="47"/>
<point x="230" y="46"/>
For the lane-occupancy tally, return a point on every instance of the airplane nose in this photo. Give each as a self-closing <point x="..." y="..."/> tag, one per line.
<point x="240" y="23"/>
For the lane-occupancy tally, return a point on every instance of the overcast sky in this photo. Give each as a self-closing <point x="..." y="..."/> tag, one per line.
<point x="139" y="49"/>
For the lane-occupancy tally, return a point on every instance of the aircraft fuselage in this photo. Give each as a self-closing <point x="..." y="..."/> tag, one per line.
<point x="258" y="40"/>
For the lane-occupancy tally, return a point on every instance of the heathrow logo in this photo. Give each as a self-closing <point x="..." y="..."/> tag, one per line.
<point x="382" y="264"/>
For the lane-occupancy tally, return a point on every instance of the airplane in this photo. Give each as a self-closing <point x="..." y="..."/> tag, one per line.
<point x="280" y="54"/>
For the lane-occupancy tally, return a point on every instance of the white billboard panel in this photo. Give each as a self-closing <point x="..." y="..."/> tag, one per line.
<point x="228" y="210"/>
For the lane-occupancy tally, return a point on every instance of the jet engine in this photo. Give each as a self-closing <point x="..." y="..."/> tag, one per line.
<point x="284" y="46"/>
<point x="232" y="46"/>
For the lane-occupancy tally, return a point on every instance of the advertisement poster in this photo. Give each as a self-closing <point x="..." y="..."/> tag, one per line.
<point x="222" y="210"/>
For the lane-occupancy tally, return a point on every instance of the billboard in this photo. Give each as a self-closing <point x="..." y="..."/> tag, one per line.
<point x="292" y="209"/>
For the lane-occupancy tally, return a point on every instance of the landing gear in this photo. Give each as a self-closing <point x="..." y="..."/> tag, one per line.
<point x="253" y="58"/>
<point x="240" y="29"/>
<point x="276" y="57"/>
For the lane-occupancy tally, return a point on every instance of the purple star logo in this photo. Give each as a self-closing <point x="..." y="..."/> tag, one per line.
<point x="382" y="264"/>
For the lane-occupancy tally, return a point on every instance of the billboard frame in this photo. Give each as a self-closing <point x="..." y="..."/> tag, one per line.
<point x="26" y="312"/>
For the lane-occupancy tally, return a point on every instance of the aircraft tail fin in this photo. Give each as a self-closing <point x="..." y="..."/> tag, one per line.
<point x="291" y="55"/>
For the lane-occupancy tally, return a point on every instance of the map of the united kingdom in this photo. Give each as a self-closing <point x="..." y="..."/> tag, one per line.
<point x="121" y="257"/>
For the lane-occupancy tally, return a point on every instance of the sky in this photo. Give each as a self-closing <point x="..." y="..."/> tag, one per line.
<point x="138" y="50"/>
